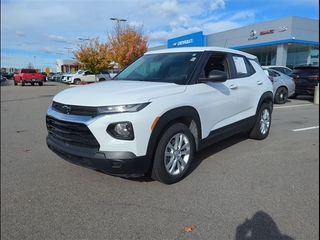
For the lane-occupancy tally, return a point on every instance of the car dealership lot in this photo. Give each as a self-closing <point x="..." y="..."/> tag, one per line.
<point x="273" y="183"/>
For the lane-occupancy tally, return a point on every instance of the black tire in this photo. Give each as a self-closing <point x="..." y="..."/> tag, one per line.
<point x="263" y="123"/>
<point x="40" y="83"/>
<point x="281" y="95"/>
<point x="15" y="83"/>
<point x="22" y="83"/>
<point x="174" y="154"/>
<point x="101" y="79"/>
<point x="32" y="84"/>
<point x="77" y="81"/>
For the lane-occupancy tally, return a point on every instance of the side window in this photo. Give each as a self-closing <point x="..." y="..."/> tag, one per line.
<point x="286" y="71"/>
<point x="243" y="66"/>
<point x="216" y="62"/>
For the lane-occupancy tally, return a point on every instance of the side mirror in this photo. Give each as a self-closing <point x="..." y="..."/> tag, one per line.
<point x="215" y="76"/>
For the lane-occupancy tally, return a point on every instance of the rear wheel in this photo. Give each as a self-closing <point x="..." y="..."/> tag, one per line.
<point x="15" y="83"/>
<point x="173" y="154"/>
<point x="281" y="95"/>
<point x="263" y="123"/>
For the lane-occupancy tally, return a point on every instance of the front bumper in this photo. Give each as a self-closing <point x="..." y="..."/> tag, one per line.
<point x="124" y="164"/>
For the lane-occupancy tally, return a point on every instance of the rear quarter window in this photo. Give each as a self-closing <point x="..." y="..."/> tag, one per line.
<point x="243" y="66"/>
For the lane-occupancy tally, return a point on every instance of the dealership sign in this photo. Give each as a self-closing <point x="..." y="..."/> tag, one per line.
<point x="267" y="32"/>
<point x="190" y="40"/>
<point x="253" y="35"/>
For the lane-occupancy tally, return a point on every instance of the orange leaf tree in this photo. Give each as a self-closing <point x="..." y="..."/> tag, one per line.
<point x="95" y="56"/>
<point x="127" y="44"/>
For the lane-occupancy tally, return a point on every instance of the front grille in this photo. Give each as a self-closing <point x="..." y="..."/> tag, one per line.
<point x="76" y="134"/>
<point x="75" y="110"/>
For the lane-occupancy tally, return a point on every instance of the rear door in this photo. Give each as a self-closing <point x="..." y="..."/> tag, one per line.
<point x="251" y="84"/>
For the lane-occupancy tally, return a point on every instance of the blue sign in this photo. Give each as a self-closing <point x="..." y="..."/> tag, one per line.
<point x="190" y="40"/>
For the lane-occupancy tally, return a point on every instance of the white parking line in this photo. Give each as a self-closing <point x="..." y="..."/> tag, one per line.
<point x="303" y="129"/>
<point x="301" y="105"/>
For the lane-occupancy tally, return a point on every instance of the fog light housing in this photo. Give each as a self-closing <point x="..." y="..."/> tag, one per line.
<point x="121" y="130"/>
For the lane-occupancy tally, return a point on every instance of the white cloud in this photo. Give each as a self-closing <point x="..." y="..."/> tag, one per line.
<point x="20" y="33"/>
<point x="218" y="4"/>
<point x="58" y="24"/>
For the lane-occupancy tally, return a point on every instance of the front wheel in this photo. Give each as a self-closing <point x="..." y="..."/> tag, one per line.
<point x="22" y="83"/>
<point x="173" y="155"/>
<point x="263" y="123"/>
<point x="77" y="81"/>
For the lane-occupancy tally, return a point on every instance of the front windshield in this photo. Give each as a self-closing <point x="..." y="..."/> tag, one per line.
<point x="162" y="67"/>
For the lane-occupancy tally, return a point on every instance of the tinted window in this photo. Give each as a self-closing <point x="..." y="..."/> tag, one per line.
<point x="216" y="62"/>
<point x="162" y="67"/>
<point x="306" y="71"/>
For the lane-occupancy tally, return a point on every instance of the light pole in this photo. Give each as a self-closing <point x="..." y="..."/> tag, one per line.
<point x="68" y="56"/>
<point x="118" y="19"/>
<point x="59" y="54"/>
<point x="118" y="29"/>
<point x="83" y="39"/>
<point x="118" y="23"/>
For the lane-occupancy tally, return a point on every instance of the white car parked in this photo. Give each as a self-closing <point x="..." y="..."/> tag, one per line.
<point x="88" y="77"/>
<point x="160" y="110"/>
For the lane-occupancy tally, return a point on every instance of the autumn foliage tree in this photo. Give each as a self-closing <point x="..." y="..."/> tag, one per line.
<point x="94" y="56"/>
<point x="126" y="45"/>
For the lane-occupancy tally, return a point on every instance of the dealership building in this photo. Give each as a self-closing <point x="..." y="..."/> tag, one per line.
<point x="289" y="41"/>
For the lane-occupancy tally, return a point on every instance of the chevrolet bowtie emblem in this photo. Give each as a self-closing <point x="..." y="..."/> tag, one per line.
<point x="66" y="109"/>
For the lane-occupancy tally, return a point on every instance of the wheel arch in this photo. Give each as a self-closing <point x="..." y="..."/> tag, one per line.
<point x="186" y="115"/>
<point x="268" y="98"/>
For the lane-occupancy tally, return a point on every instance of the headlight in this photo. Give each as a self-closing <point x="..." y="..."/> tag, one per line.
<point x="121" y="130"/>
<point x="122" y="108"/>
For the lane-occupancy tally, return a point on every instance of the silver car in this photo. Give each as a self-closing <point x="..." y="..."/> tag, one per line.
<point x="283" y="85"/>
<point x="282" y="69"/>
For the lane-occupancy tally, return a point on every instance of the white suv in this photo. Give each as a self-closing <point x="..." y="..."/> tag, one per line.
<point x="160" y="110"/>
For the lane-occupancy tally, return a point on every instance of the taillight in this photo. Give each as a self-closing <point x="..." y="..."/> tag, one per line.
<point x="313" y="76"/>
<point x="293" y="80"/>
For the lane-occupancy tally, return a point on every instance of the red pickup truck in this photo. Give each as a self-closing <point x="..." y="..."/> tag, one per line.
<point x="28" y="75"/>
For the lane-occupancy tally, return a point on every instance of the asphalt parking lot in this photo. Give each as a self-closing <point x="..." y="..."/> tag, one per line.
<point x="236" y="189"/>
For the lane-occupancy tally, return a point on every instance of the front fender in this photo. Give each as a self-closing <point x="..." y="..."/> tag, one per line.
<point x="181" y="114"/>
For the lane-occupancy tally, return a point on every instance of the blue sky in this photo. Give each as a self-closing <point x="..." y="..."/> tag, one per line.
<point x="36" y="31"/>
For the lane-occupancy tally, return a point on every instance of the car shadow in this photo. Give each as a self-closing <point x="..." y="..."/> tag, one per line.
<point x="306" y="97"/>
<point x="260" y="226"/>
<point x="205" y="153"/>
<point x="202" y="155"/>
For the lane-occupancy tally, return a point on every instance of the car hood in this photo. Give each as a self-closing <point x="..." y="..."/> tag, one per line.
<point x="116" y="93"/>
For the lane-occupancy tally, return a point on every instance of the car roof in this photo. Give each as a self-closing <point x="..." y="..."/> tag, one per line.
<point x="306" y="66"/>
<point x="202" y="49"/>
<point x="271" y="66"/>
